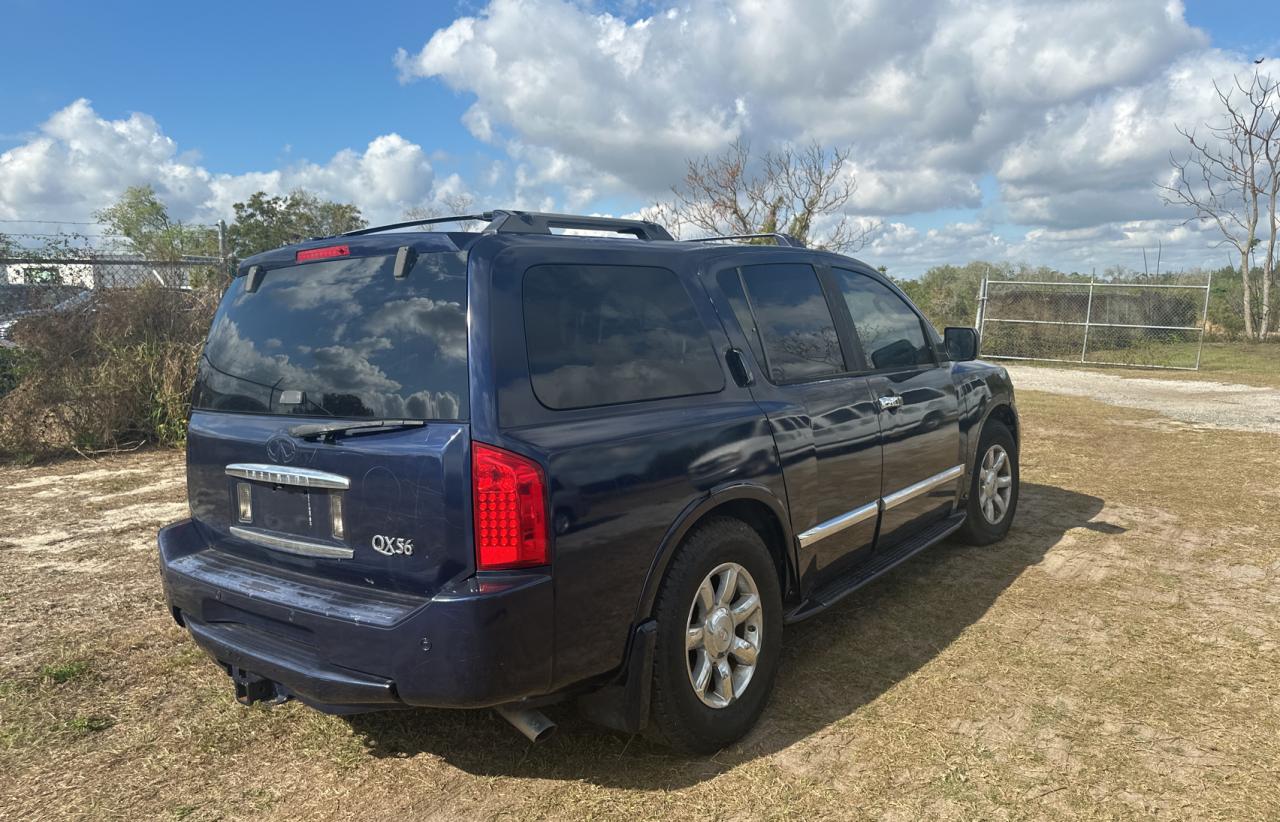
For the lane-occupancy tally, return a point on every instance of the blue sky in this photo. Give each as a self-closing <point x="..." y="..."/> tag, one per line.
<point x="303" y="79"/>
<point x="239" y="89"/>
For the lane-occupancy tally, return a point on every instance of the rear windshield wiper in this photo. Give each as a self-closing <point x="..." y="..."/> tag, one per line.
<point x="330" y="430"/>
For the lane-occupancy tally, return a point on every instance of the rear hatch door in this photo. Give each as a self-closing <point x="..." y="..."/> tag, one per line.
<point x="339" y="342"/>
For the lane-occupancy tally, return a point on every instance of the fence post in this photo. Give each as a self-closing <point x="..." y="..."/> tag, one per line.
<point x="1088" y="316"/>
<point x="980" y="316"/>
<point x="222" y="244"/>
<point x="1204" y="318"/>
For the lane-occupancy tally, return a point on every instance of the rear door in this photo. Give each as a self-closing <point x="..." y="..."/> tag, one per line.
<point x="330" y="341"/>
<point x="823" y="416"/>
<point x="917" y="400"/>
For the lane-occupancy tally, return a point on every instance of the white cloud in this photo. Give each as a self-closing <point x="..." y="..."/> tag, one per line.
<point x="1098" y="161"/>
<point x="79" y="162"/>
<point x="920" y="88"/>
<point x="907" y="250"/>
<point x="1069" y="107"/>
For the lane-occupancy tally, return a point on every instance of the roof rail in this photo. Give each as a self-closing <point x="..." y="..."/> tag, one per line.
<point x="784" y="240"/>
<point x="486" y="216"/>
<point x="535" y="222"/>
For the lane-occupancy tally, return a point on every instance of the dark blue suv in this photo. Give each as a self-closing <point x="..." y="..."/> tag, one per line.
<point x="517" y="466"/>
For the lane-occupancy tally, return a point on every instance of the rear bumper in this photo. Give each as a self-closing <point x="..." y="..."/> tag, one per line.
<point x="344" y="648"/>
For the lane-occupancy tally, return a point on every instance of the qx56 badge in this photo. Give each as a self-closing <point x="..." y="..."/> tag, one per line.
<point x="392" y="545"/>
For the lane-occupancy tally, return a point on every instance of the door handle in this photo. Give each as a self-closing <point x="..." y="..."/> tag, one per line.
<point x="738" y="367"/>
<point x="890" y="403"/>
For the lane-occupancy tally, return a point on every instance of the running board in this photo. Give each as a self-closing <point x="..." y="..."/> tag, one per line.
<point x="879" y="564"/>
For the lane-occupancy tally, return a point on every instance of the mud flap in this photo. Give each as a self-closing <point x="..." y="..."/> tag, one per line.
<point x="623" y="705"/>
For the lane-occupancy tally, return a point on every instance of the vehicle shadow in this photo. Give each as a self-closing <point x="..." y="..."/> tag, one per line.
<point x="832" y="665"/>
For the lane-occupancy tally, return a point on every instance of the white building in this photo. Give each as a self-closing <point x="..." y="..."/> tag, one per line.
<point x="47" y="273"/>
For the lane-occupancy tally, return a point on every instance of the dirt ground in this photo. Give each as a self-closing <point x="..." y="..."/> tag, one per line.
<point x="1115" y="658"/>
<point x="1199" y="402"/>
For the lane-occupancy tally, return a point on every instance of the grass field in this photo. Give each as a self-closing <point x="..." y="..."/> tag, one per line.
<point x="1115" y="658"/>
<point x="1233" y="362"/>
<point x="1246" y="363"/>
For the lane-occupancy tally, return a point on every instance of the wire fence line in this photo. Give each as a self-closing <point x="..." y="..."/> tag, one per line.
<point x="33" y="285"/>
<point x="1140" y="324"/>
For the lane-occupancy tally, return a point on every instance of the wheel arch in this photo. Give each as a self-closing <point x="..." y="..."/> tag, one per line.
<point x="1005" y="413"/>
<point x="1001" y="410"/>
<point x="753" y="504"/>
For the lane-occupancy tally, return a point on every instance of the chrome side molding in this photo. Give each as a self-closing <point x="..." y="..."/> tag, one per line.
<point x="838" y="524"/>
<point x="922" y="487"/>
<point x="291" y="545"/>
<point x="865" y="512"/>
<point x="283" y="475"/>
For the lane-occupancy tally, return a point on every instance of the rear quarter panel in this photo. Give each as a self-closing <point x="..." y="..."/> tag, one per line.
<point x="620" y="476"/>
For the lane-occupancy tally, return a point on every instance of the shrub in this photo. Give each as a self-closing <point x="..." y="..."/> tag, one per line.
<point x="115" y="370"/>
<point x="12" y="367"/>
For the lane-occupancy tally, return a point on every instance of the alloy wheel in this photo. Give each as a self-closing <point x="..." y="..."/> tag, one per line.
<point x="995" y="484"/>
<point x="725" y="629"/>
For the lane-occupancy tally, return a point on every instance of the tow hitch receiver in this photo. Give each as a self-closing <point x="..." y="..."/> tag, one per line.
<point x="251" y="688"/>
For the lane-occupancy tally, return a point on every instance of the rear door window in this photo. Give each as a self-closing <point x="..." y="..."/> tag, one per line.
<point x="600" y="335"/>
<point x="794" y="321"/>
<point x="891" y="333"/>
<point x="730" y="282"/>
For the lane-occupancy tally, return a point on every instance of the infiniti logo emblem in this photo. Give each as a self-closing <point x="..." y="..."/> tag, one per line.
<point x="281" y="449"/>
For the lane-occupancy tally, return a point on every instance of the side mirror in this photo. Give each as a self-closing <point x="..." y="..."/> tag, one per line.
<point x="961" y="343"/>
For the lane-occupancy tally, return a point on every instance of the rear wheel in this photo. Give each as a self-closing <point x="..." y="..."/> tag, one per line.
<point x="993" y="486"/>
<point x="719" y="614"/>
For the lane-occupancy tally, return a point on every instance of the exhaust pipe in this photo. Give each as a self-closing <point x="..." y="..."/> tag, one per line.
<point x="532" y="723"/>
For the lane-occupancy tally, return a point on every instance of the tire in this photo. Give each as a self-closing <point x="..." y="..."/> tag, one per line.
<point x="978" y="528"/>
<point x="680" y="716"/>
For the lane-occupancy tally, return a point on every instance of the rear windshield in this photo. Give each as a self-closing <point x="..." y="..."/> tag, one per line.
<point x="342" y="338"/>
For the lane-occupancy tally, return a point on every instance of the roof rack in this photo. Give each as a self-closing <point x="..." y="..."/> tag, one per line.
<point x="535" y="222"/>
<point x="457" y="218"/>
<point x="784" y="240"/>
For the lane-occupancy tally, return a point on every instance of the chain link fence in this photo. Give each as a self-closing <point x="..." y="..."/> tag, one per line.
<point x="1148" y="325"/>
<point x="33" y="285"/>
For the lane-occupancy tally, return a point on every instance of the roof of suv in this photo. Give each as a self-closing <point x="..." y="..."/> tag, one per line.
<point x="518" y="227"/>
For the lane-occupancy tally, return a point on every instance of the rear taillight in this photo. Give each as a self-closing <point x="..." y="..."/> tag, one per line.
<point x="509" y="498"/>
<point x="323" y="253"/>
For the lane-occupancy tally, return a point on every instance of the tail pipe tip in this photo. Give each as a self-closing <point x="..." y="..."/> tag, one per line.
<point x="533" y="724"/>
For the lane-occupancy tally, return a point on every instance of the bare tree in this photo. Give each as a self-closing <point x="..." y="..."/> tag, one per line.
<point x="793" y="191"/>
<point x="1231" y="178"/>
<point x="450" y="205"/>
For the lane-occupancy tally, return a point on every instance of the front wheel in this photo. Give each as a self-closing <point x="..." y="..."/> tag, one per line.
<point x="993" y="486"/>
<point x="719" y="614"/>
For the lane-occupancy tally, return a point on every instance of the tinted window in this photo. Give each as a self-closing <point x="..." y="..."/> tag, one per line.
<point x="891" y="333"/>
<point x="794" y="321"/>
<point x="731" y="284"/>
<point x="343" y="339"/>
<point x="599" y="335"/>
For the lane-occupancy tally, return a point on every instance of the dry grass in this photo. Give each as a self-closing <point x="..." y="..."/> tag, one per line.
<point x="1115" y="658"/>
<point x="1245" y="363"/>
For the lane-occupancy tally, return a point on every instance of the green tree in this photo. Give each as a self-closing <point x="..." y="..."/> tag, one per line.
<point x="144" y="222"/>
<point x="8" y="247"/>
<point x="948" y="294"/>
<point x="265" y="222"/>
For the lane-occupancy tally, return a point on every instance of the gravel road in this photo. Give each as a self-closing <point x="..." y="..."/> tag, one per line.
<point x="1213" y="404"/>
